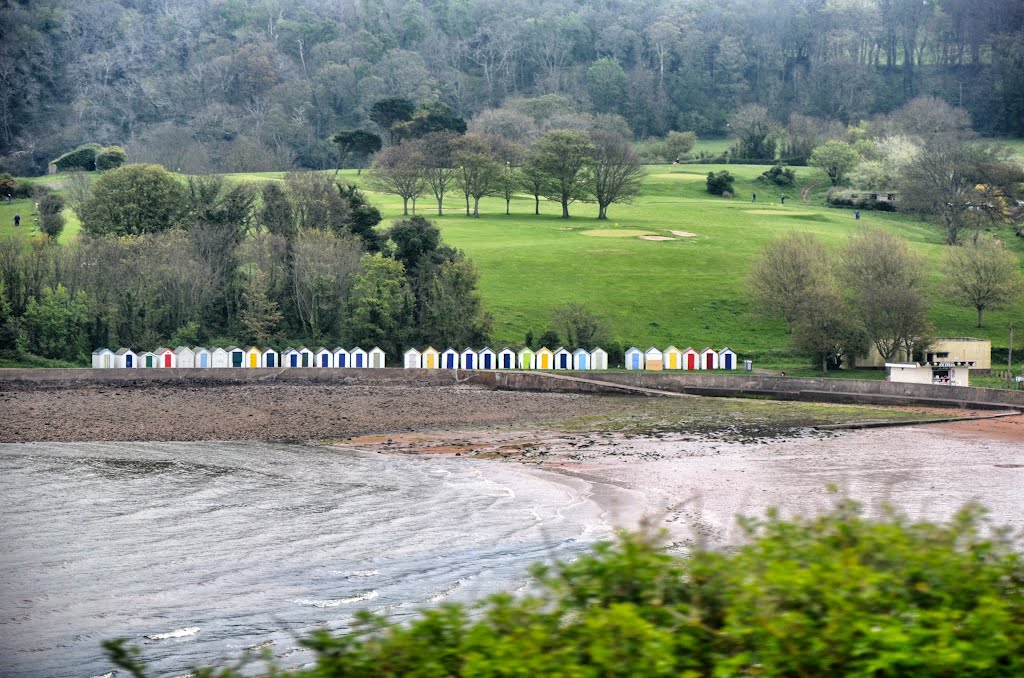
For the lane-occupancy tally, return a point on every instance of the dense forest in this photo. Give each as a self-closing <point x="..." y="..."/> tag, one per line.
<point x="238" y="85"/>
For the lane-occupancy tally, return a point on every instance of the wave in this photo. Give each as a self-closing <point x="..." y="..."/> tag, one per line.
<point x="335" y="602"/>
<point x="177" y="633"/>
<point x="260" y="646"/>
<point x="355" y="573"/>
<point x="438" y="597"/>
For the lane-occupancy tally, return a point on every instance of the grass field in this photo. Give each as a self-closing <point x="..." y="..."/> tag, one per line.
<point x="683" y="287"/>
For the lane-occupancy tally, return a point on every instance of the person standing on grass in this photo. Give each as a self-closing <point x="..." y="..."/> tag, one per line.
<point x="754" y="199"/>
<point x="783" y="198"/>
<point x="17" y="220"/>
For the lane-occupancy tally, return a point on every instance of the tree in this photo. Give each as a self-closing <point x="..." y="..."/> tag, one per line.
<point x="133" y="200"/>
<point x="561" y="158"/>
<point x="788" y="269"/>
<point x="959" y="181"/>
<point x="399" y="170"/>
<point x="359" y="141"/>
<point x="753" y="129"/>
<point x="578" y="327"/>
<point x="276" y="212"/>
<point x="719" y="183"/>
<point x="77" y="187"/>
<point x="606" y="84"/>
<point x="260" y="315"/>
<point x="380" y="305"/>
<point x="616" y="171"/>
<point x="451" y="312"/>
<point x="835" y="158"/>
<point x="887" y="282"/>
<point x="110" y="158"/>
<point x="479" y="173"/>
<point x="389" y="112"/>
<point x="414" y="239"/>
<point x="826" y="328"/>
<point x="439" y="164"/>
<point x="984" y="275"/>
<point x="927" y="117"/>
<point x="431" y="119"/>
<point x="57" y="324"/>
<point x="51" y="215"/>
<point x="679" y="144"/>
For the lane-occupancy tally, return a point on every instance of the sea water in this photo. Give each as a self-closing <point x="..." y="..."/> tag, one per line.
<point x="197" y="552"/>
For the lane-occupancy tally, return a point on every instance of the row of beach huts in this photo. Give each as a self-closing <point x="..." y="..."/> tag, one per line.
<point x="671" y="358"/>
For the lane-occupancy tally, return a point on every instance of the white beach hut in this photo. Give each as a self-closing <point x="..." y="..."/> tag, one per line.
<point x="323" y="358"/>
<point x="413" y="359"/>
<point x="691" y="359"/>
<point x="377" y="358"/>
<point x="186" y="357"/>
<point x="488" y="359"/>
<point x="634" y="359"/>
<point x="673" y="358"/>
<point x="581" y="359"/>
<point x="598" y="359"/>
<point x="166" y="358"/>
<point x="270" y="358"/>
<point x="147" y="359"/>
<point x="218" y="357"/>
<point x="103" y="358"/>
<point x="305" y="357"/>
<point x="342" y="357"/>
<point x="654" y="359"/>
<point x="358" y="357"/>
<point x="236" y="357"/>
<point x="126" y="358"/>
<point x="290" y="357"/>
<point x="709" y="359"/>
<point x="450" y="359"/>
<point x="202" y="357"/>
<point x="727" y="359"/>
<point x="562" y="359"/>
<point x="506" y="359"/>
<point x="527" y="359"/>
<point x="468" y="360"/>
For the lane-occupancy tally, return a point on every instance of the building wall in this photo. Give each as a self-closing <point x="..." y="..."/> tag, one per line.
<point x="978" y="351"/>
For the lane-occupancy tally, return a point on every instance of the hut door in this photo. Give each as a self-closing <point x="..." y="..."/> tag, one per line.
<point x="635" y="361"/>
<point x="375" y="361"/>
<point x="505" y="361"/>
<point x="305" y="360"/>
<point x="106" y="361"/>
<point x="469" y="362"/>
<point x="342" y="360"/>
<point x="325" y="360"/>
<point x="359" y="360"/>
<point x="204" y="360"/>
<point x="128" y="361"/>
<point x="709" y="361"/>
<point x="253" y="360"/>
<point x="487" y="362"/>
<point x="294" y="360"/>
<point x="691" y="361"/>
<point x="149" y="361"/>
<point x="728" y="361"/>
<point x="236" y="358"/>
<point x="167" y="359"/>
<point x="270" y="360"/>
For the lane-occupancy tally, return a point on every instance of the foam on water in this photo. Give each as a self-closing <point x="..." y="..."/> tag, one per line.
<point x="254" y="544"/>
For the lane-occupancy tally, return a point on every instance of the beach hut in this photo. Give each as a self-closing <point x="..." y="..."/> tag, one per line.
<point x="126" y="358"/>
<point x="147" y="359"/>
<point x="544" y="359"/>
<point x="709" y="359"/>
<point x="450" y="359"/>
<point x="598" y="359"/>
<point x="323" y="358"/>
<point x="271" y="358"/>
<point x="290" y="357"/>
<point x="342" y="357"/>
<point x="691" y="359"/>
<point x="186" y="357"/>
<point x="468" y="360"/>
<point x="562" y="359"/>
<point x="253" y="357"/>
<point x="166" y="358"/>
<point x="377" y="357"/>
<point x="202" y="357"/>
<point x="527" y="359"/>
<point x="581" y="359"/>
<point x="431" y="358"/>
<point x="654" y="359"/>
<point x="413" y="359"/>
<point x="218" y="358"/>
<point x="103" y="358"/>
<point x="672" y="358"/>
<point x="236" y="357"/>
<point x="726" y="359"/>
<point x="357" y="357"/>
<point x="634" y="359"/>
<point x="488" y="359"/>
<point x="506" y="359"/>
<point x="306" y="357"/>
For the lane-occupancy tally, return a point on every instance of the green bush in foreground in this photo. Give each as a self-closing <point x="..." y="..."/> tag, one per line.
<point x="836" y="595"/>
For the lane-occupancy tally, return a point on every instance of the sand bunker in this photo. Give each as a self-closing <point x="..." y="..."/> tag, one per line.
<point x="684" y="234"/>
<point x="616" y="233"/>
<point x="655" y="237"/>
<point x="778" y="212"/>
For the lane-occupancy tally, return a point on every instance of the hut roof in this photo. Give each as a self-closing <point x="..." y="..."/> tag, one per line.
<point x="123" y="351"/>
<point x="101" y="350"/>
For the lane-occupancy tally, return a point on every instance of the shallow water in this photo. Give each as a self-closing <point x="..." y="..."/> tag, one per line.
<point x="196" y="551"/>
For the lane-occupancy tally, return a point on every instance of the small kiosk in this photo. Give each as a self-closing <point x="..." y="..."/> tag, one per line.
<point x="938" y="373"/>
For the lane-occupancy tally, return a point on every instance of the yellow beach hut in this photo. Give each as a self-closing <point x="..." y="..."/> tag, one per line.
<point x="673" y="358"/>
<point x="544" y="359"/>
<point x="431" y="358"/>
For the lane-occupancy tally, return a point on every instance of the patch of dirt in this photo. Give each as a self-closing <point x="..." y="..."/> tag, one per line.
<point x="615" y="233"/>
<point x="655" y="237"/>
<point x="684" y="234"/>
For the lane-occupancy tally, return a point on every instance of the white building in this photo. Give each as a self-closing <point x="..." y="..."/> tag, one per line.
<point x="943" y="373"/>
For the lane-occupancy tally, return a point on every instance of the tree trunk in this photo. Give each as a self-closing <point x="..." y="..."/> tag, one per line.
<point x="507" y="201"/>
<point x="467" y="204"/>
<point x="824" y="364"/>
<point x="536" y="204"/>
<point x="476" y="207"/>
<point x="602" y="211"/>
<point x="440" y="211"/>
<point x="565" y="208"/>
<point x="981" y="311"/>
<point x="405" y="206"/>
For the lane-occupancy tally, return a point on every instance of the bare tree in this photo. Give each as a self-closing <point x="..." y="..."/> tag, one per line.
<point x="439" y="162"/>
<point x="324" y="268"/>
<point x="479" y="173"/>
<point x="786" y="271"/>
<point x="984" y="275"/>
<point x="616" y="171"/>
<point x="77" y="187"/>
<point x="398" y="170"/>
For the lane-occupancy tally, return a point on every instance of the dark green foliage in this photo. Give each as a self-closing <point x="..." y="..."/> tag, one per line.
<point x="51" y="215"/>
<point x="834" y="595"/>
<point x="110" y="158"/>
<point x="778" y="176"/>
<point x="414" y="238"/>
<point x="276" y="212"/>
<point x="9" y="186"/>
<point x="579" y="328"/>
<point x="56" y="324"/>
<point x="380" y="306"/>
<point x="363" y="217"/>
<point x="720" y="183"/>
<point x="430" y="118"/>
<point x="359" y="141"/>
<point x="83" y="158"/>
<point x="391" y="111"/>
<point x="133" y="200"/>
<point x="449" y="310"/>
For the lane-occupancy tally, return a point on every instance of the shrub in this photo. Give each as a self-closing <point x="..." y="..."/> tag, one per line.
<point x="83" y="157"/>
<point x="110" y="158"/>
<point x="720" y="183"/>
<point x="9" y="186"/>
<point x="778" y="175"/>
<point x="132" y="200"/>
<point x="51" y="215"/>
